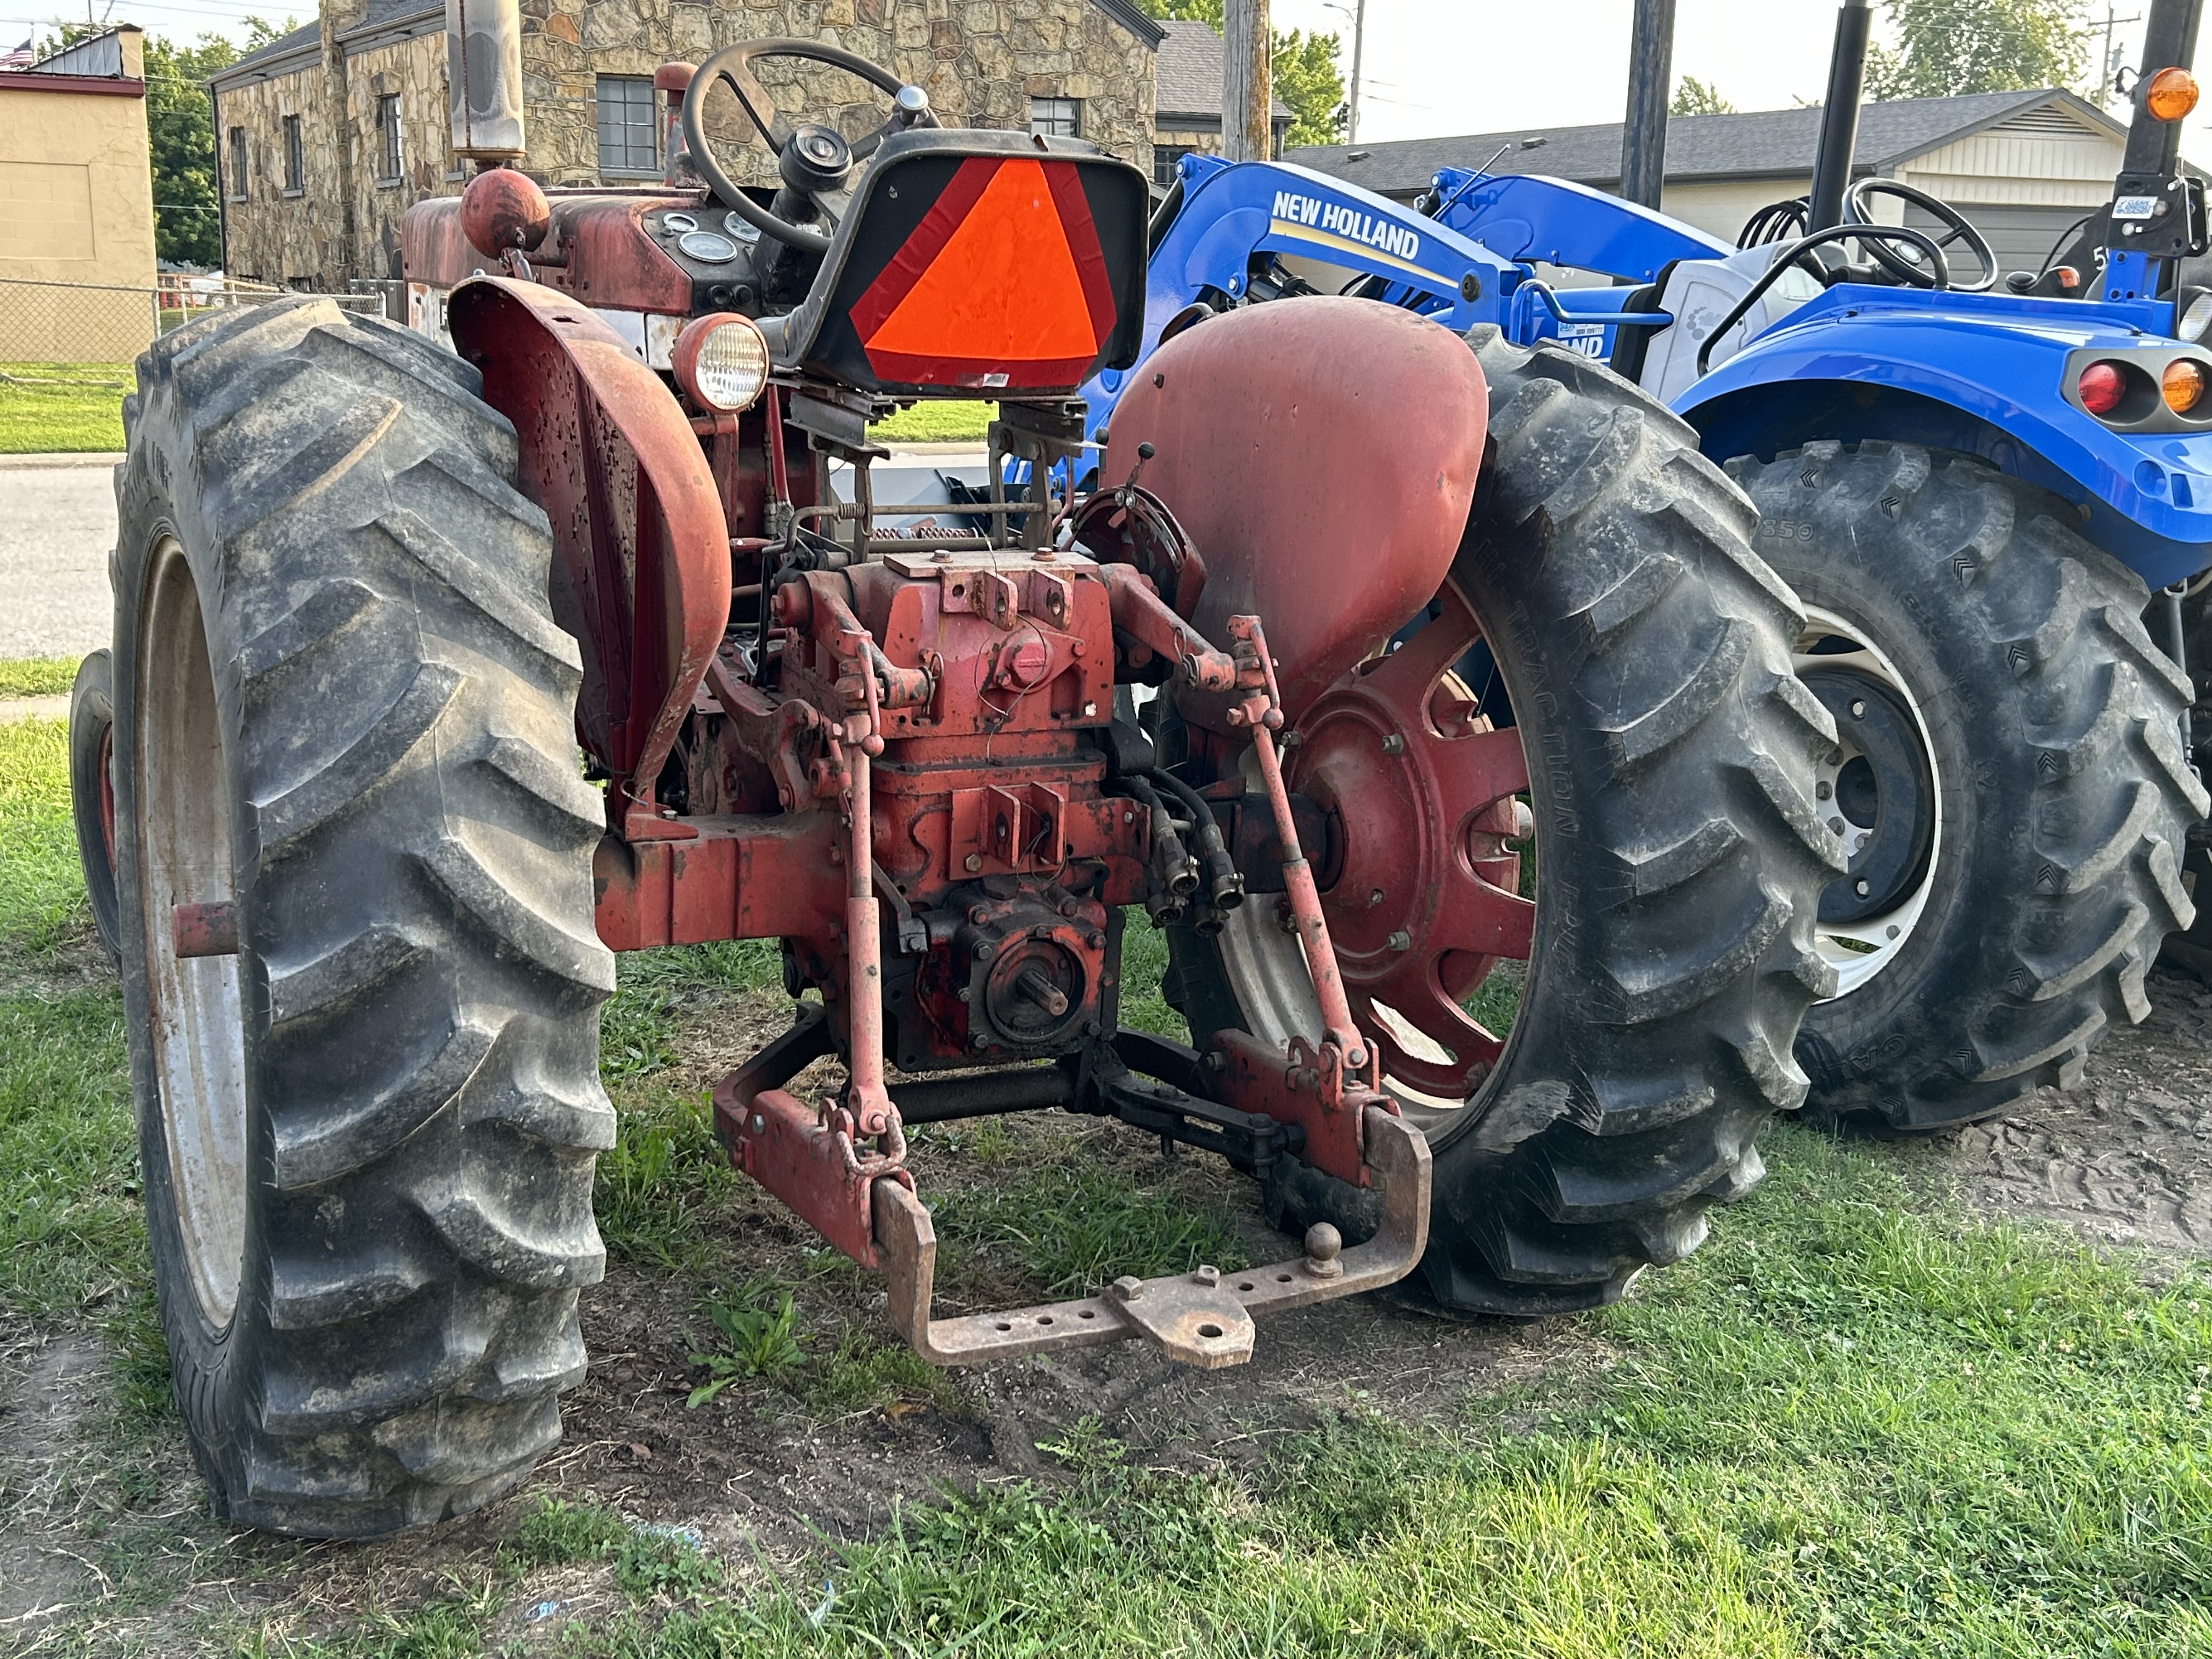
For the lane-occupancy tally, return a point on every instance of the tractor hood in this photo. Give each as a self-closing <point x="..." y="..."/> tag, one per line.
<point x="1990" y="375"/>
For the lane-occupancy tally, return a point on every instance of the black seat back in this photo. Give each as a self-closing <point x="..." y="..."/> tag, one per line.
<point x="974" y="262"/>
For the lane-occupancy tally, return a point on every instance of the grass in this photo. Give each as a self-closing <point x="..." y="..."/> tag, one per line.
<point x="946" y="422"/>
<point x="54" y="408"/>
<point x="38" y="677"/>
<point x="1859" y="1421"/>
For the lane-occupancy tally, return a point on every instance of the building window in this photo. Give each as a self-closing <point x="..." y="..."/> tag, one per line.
<point x="387" y="138"/>
<point x="238" y="164"/>
<point x="627" y="135"/>
<point x="1164" y="157"/>
<point x="1056" y="117"/>
<point x="296" y="162"/>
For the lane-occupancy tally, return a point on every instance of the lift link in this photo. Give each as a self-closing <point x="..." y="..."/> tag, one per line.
<point x="1326" y="1091"/>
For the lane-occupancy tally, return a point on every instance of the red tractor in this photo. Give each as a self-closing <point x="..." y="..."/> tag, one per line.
<point x="373" y="595"/>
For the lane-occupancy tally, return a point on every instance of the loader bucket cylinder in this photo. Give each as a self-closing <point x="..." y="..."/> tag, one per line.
<point x="483" y="72"/>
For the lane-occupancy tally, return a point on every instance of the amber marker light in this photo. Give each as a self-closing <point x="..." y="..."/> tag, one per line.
<point x="2100" y="388"/>
<point x="2182" y="386"/>
<point x="721" y="362"/>
<point x="2171" y="94"/>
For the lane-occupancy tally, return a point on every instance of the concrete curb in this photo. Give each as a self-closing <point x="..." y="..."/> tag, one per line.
<point x="13" y="463"/>
<point x="34" y="708"/>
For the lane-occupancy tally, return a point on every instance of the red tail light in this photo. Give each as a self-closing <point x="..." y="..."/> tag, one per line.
<point x="2101" y="387"/>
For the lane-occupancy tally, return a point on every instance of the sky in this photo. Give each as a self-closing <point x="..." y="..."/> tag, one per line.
<point x="1438" y="67"/>
<point x="1432" y="67"/>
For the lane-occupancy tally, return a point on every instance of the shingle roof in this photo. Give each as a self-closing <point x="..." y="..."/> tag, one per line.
<point x="1186" y="74"/>
<point x="283" y="46"/>
<point x="1764" y="143"/>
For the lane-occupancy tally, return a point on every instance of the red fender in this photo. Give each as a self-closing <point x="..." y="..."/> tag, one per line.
<point x="641" y="550"/>
<point x="1322" y="455"/>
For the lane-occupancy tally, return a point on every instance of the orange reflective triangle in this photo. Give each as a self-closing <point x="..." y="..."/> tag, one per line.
<point x="1004" y="286"/>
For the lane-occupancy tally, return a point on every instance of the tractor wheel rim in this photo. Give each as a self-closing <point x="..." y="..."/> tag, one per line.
<point x="1862" y="946"/>
<point x="1423" y="904"/>
<point x="184" y="857"/>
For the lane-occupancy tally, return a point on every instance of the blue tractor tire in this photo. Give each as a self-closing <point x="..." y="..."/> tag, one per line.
<point x="2009" y="778"/>
<point x="1645" y="649"/>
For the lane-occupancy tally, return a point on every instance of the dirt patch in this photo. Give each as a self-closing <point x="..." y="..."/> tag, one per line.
<point x="2127" y="1155"/>
<point x="776" y="1467"/>
<point x="50" y="1384"/>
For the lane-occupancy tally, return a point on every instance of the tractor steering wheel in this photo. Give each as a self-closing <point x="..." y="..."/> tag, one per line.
<point x="1904" y="261"/>
<point x="814" y="162"/>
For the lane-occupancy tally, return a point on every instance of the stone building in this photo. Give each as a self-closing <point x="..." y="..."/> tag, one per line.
<point x="1187" y="99"/>
<point x="327" y="135"/>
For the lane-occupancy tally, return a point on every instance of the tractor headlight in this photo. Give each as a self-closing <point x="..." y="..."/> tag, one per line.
<point x="2193" y="315"/>
<point x="721" y="362"/>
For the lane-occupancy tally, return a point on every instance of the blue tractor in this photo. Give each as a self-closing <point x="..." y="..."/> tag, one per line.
<point x="1990" y="492"/>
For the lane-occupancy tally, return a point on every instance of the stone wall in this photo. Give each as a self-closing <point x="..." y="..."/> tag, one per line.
<point x="414" y="71"/>
<point x="273" y="235"/>
<point x="981" y="61"/>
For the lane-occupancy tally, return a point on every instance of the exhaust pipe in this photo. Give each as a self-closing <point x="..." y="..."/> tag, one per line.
<point x="483" y="78"/>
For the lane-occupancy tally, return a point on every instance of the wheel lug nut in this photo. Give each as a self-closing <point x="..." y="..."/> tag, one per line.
<point x="1862" y="888"/>
<point x="1822" y="790"/>
<point x="1393" y="745"/>
<point x="1401" y="940"/>
<point x="1859" y="710"/>
<point x="1836" y="825"/>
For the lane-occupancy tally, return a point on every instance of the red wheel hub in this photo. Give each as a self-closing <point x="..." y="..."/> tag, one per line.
<point x="1426" y="899"/>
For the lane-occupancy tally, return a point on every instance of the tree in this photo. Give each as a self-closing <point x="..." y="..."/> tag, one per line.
<point x="1946" y="47"/>
<point x="1306" y="76"/>
<point x="1696" y="97"/>
<point x="1303" y="67"/>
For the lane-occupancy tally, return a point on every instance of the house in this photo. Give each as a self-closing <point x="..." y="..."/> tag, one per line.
<point x="77" y="205"/>
<point x="2023" y="165"/>
<point x="1187" y="99"/>
<point x="328" y="134"/>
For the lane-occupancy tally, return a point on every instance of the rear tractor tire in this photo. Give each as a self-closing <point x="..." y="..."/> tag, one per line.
<point x="2010" y="780"/>
<point x="342" y="707"/>
<point x="1670" y="752"/>
<point x="92" y="797"/>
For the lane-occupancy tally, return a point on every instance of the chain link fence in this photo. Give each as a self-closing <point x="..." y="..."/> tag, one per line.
<point x="63" y="327"/>
<point x="66" y="349"/>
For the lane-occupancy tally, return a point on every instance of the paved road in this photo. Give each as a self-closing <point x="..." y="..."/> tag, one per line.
<point x="57" y="525"/>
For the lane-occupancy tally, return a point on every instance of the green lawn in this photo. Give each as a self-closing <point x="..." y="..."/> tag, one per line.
<point x="55" y="408"/>
<point x="935" y="423"/>
<point x="1859" y="1421"/>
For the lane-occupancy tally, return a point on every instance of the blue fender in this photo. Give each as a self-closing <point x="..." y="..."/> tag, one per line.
<point x="1979" y="372"/>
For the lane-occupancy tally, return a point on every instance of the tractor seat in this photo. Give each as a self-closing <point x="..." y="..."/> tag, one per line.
<point x="976" y="263"/>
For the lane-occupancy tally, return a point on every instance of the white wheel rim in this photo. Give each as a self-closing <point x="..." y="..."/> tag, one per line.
<point x="185" y="858"/>
<point x="1861" y="950"/>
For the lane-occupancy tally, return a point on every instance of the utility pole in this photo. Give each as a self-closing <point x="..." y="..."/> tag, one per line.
<point x="1358" y="50"/>
<point x="2106" y="69"/>
<point x="1650" y="85"/>
<point x="1247" y="98"/>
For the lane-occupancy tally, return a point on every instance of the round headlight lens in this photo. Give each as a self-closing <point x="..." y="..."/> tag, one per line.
<point x="2101" y="387"/>
<point x="2194" y="320"/>
<point x="721" y="362"/>
<point x="2182" y="386"/>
